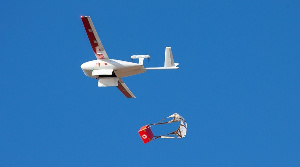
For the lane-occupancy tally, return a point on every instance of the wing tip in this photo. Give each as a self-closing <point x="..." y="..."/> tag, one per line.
<point x="84" y="16"/>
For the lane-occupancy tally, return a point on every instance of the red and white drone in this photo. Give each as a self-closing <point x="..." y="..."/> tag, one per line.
<point x="109" y="72"/>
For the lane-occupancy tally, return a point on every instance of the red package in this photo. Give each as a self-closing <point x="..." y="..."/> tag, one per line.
<point x="146" y="134"/>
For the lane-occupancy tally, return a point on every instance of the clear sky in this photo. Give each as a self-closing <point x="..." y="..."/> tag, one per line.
<point x="237" y="86"/>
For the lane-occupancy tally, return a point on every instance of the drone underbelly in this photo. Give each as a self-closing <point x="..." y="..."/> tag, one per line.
<point x="89" y="73"/>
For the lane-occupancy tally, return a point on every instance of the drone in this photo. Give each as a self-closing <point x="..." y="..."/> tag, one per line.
<point x="109" y="72"/>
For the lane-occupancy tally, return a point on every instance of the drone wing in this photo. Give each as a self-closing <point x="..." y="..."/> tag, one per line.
<point x="124" y="89"/>
<point x="91" y="32"/>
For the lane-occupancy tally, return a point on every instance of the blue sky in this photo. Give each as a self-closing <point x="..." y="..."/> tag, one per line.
<point x="237" y="86"/>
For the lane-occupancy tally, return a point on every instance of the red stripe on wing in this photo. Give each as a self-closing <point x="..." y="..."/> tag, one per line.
<point x="124" y="90"/>
<point x="90" y="33"/>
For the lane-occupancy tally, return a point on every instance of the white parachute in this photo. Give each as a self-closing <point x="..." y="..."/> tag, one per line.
<point x="179" y="133"/>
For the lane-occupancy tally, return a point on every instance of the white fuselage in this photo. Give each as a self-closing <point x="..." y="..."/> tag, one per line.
<point x="121" y="68"/>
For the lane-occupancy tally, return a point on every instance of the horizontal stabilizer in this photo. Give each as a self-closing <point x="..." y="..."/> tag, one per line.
<point x="140" y="57"/>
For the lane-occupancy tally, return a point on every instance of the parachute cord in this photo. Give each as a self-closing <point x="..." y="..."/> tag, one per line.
<point x="161" y="123"/>
<point x="156" y="137"/>
<point x="176" y="133"/>
<point x="166" y="136"/>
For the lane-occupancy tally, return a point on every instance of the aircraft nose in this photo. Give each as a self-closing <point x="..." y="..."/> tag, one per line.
<point x="85" y="66"/>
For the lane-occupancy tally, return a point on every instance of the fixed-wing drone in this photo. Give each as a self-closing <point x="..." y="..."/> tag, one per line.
<point x="109" y="72"/>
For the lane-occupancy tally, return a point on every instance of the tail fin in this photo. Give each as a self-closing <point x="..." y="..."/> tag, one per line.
<point x="169" y="61"/>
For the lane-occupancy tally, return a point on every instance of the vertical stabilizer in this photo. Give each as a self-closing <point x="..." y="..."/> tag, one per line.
<point x="169" y="61"/>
